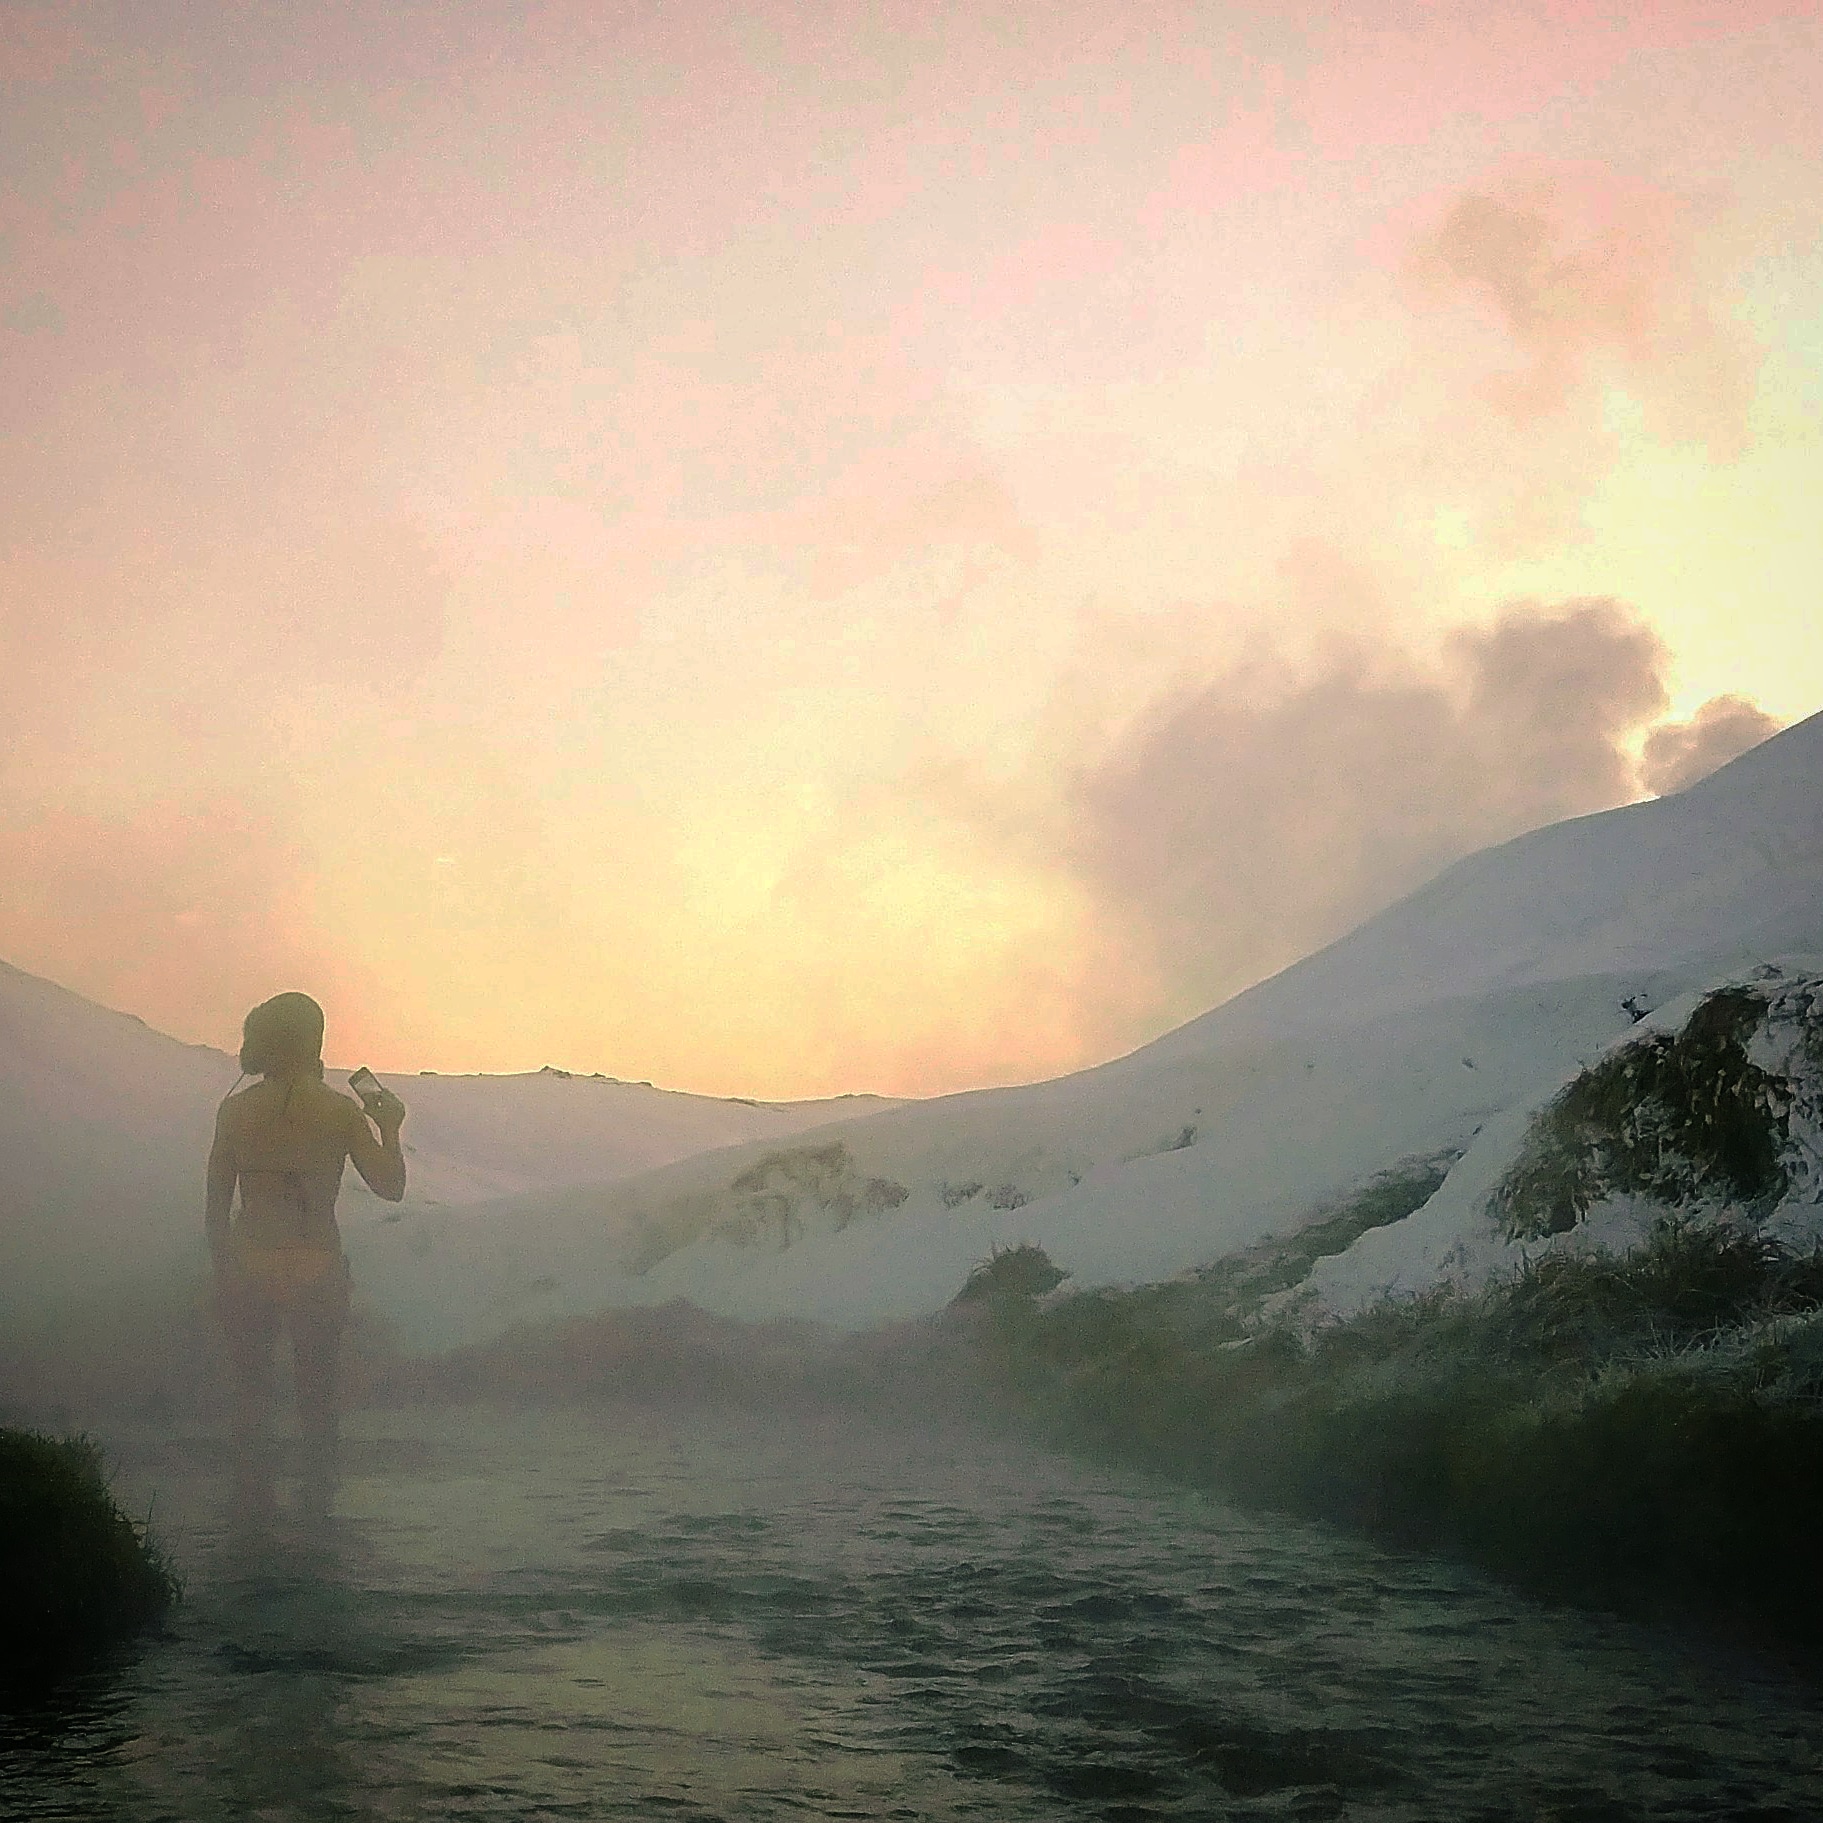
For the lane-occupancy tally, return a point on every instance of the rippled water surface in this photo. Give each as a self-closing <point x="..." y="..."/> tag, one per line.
<point x="694" y="1616"/>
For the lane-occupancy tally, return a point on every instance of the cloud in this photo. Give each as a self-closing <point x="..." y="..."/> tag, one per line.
<point x="39" y="45"/>
<point x="34" y="314"/>
<point x="181" y="587"/>
<point x="1590" y="284"/>
<point x="1240" y="824"/>
<point x="187" y="913"/>
<point x="1679" y="753"/>
<point x="941" y="523"/>
<point x="1561" y="302"/>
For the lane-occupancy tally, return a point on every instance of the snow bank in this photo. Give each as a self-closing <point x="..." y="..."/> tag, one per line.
<point x="1462" y="1239"/>
<point x="1120" y="1176"/>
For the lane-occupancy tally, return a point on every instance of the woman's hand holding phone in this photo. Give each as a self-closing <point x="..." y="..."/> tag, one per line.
<point x="379" y="1103"/>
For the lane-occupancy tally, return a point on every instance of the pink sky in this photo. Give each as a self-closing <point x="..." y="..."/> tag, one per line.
<point x="782" y="549"/>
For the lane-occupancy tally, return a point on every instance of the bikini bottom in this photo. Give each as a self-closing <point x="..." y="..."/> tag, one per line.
<point x="303" y="1286"/>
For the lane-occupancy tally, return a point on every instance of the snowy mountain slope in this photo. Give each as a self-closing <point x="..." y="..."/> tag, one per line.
<point x="105" y="1124"/>
<point x="1484" y="992"/>
<point x="1702" y="882"/>
<point x="475" y="1137"/>
<point x="1122" y="1177"/>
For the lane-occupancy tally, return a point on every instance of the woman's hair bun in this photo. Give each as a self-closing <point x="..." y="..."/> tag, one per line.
<point x="285" y="1030"/>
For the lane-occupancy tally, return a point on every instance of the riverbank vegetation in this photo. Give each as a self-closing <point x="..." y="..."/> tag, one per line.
<point x="1644" y="1430"/>
<point x="76" y="1573"/>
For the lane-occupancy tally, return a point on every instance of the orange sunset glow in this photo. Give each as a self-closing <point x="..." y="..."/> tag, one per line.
<point x="795" y="548"/>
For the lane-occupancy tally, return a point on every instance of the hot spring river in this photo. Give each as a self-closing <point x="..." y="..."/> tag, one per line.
<point x="726" y="1616"/>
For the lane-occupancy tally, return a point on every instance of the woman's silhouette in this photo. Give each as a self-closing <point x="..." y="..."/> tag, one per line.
<point x="279" y="1262"/>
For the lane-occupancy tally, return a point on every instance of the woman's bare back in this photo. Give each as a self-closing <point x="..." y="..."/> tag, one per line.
<point x="287" y="1141"/>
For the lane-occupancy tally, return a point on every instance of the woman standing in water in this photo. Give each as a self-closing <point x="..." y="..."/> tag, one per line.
<point x="283" y="1140"/>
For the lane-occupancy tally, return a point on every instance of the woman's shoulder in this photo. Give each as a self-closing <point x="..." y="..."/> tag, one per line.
<point x="237" y="1103"/>
<point x="332" y="1104"/>
<point x="315" y="1101"/>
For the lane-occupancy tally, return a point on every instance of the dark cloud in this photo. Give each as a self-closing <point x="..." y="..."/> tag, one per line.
<point x="1251" y="820"/>
<point x="1559" y="302"/>
<point x="1587" y="284"/>
<point x="1680" y="753"/>
<point x="37" y="314"/>
<point x="39" y="44"/>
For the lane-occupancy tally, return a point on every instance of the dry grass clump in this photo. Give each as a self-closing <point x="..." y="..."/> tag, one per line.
<point x="76" y="1573"/>
<point x="1676" y="1116"/>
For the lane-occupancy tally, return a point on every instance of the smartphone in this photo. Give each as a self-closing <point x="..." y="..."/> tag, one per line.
<point x="365" y="1083"/>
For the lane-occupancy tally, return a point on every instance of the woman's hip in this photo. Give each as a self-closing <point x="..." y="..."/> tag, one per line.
<point x="266" y="1283"/>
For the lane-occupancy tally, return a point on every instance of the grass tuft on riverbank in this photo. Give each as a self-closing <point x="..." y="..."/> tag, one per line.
<point x="1644" y="1430"/>
<point x="76" y="1573"/>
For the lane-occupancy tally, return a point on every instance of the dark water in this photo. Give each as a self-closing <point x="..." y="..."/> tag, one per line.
<point x="694" y="1617"/>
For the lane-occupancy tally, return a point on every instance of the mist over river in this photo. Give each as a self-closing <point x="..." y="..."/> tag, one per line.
<point x="696" y="1614"/>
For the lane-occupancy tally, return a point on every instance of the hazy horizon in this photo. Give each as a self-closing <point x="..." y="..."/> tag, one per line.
<point x="785" y="550"/>
<point x="1687" y="753"/>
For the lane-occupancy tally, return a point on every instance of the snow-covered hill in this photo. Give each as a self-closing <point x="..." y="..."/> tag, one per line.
<point x="1454" y="1012"/>
<point x="1700" y="884"/>
<point x="1124" y="1176"/>
<point x="105" y="1123"/>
